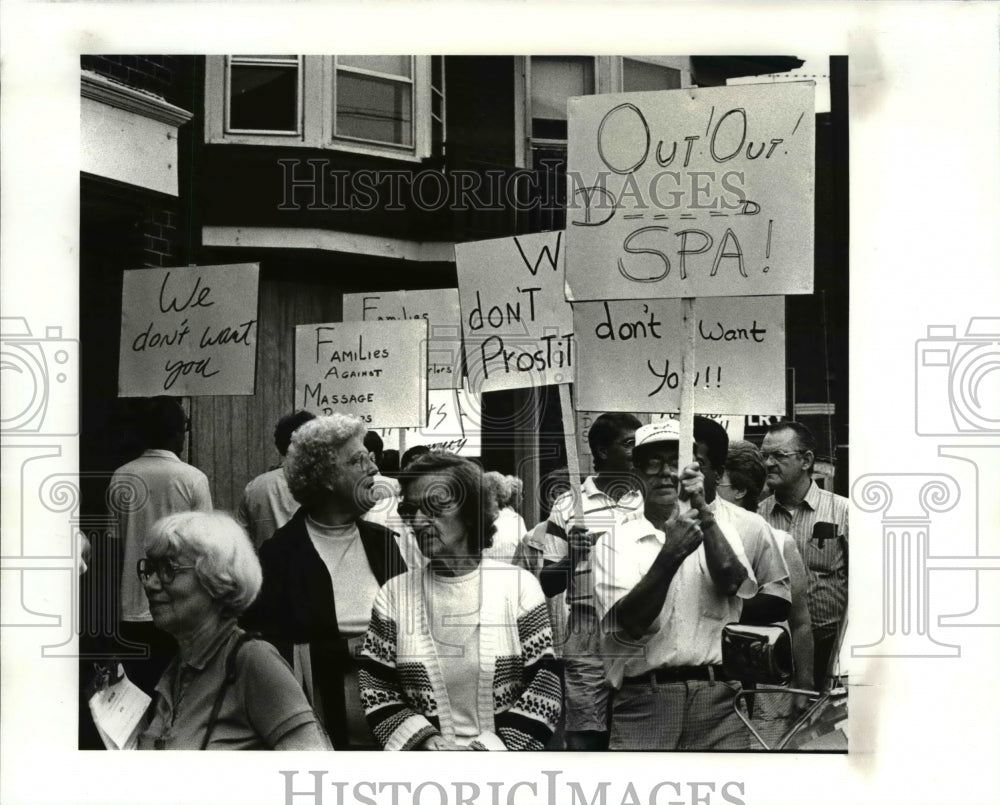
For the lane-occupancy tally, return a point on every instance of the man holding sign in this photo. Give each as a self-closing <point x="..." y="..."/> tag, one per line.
<point x="609" y="499"/>
<point x="665" y="586"/>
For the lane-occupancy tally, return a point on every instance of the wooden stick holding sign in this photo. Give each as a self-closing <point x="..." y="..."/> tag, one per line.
<point x="572" y="458"/>
<point x="685" y="453"/>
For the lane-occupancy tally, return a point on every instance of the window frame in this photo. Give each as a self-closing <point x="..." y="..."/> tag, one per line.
<point x="609" y="74"/>
<point x="264" y="61"/>
<point x="317" y="85"/>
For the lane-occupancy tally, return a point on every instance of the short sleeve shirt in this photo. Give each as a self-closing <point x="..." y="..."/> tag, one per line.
<point x="267" y="505"/>
<point x="262" y="706"/>
<point x="824" y="554"/>
<point x="688" y="629"/>
<point x="601" y="513"/>
<point x="761" y="546"/>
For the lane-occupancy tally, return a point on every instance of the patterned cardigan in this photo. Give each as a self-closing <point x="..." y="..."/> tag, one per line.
<point x="402" y="686"/>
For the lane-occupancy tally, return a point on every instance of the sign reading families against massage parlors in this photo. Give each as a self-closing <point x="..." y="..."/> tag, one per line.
<point x="691" y="193"/>
<point x="438" y="307"/>
<point x="516" y="322"/>
<point x="376" y="370"/>
<point x="188" y="332"/>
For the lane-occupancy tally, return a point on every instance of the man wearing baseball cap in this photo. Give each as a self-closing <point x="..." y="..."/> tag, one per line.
<point x="665" y="586"/>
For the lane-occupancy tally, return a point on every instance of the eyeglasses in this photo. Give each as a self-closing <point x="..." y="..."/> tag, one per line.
<point x="429" y="507"/>
<point x="654" y="466"/>
<point x="165" y="569"/>
<point x="779" y="455"/>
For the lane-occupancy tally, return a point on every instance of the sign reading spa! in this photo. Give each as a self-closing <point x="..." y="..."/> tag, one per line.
<point x="188" y="331"/>
<point x="375" y="370"/>
<point x="438" y="307"/>
<point x="691" y="193"/>
<point x="630" y="355"/>
<point x="517" y="324"/>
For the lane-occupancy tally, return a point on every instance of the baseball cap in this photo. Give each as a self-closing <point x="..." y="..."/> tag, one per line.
<point x="666" y="430"/>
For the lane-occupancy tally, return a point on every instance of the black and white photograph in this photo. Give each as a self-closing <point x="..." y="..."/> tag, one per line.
<point x="505" y="402"/>
<point x="284" y="238"/>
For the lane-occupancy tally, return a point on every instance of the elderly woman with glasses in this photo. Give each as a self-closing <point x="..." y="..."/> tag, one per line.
<point x="458" y="653"/>
<point x="222" y="691"/>
<point x="323" y="569"/>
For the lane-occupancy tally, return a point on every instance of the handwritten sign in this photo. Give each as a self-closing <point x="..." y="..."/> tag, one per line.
<point x="693" y="192"/>
<point x="630" y="355"/>
<point x="517" y="324"/>
<point x="451" y="425"/>
<point x="188" y="331"/>
<point x="375" y="370"/>
<point x="733" y="425"/>
<point x="438" y="307"/>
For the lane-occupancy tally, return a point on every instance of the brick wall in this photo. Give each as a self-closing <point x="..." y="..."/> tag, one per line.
<point x="157" y="74"/>
<point x="160" y="238"/>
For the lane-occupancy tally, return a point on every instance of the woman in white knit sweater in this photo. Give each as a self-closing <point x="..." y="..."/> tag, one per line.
<point x="458" y="654"/>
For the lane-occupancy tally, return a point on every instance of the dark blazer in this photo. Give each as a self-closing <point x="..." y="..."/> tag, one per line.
<point x="297" y="604"/>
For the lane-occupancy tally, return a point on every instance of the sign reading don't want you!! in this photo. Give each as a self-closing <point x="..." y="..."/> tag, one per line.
<point x="188" y="331"/>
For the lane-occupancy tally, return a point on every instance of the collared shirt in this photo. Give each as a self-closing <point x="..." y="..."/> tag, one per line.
<point x="825" y="558"/>
<point x="600" y="513"/>
<point x="262" y="706"/>
<point x="688" y="629"/>
<point x="761" y="546"/>
<point x="267" y="505"/>
<point x="162" y="485"/>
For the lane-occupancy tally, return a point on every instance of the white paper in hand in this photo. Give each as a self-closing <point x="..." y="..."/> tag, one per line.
<point x="117" y="711"/>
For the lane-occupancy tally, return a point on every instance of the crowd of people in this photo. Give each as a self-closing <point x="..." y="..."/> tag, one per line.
<point x="357" y="603"/>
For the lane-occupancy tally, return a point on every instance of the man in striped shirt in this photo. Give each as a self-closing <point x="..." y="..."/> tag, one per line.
<point x="609" y="498"/>
<point x="817" y="520"/>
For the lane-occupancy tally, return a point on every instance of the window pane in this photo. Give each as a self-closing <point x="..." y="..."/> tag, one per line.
<point x="556" y="79"/>
<point x="392" y="65"/>
<point x="372" y="109"/>
<point x="640" y="76"/>
<point x="264" y="98"/>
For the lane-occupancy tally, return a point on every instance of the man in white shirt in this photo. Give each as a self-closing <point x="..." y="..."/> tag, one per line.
<point x="609" y="499"/>
<point x="267" y="502"/>
<point x="160" y="484"/>
<point x="665" y="586"/>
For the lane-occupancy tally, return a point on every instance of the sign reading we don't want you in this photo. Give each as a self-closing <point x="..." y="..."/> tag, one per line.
<point x="188" y="331"/>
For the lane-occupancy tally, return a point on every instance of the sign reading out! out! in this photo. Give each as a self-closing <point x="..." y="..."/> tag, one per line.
<point x="691" y="193"/>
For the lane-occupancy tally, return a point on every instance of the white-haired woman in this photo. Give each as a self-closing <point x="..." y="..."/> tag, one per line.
<point x="323" y="569"/>
<point x="222" y="691"/>
<point x="505" y="491"/>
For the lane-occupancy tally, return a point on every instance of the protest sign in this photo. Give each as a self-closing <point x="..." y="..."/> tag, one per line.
<point x="451" y="425"/>
<point x="692" y="192"/>
<point x="188" y="331"/>
<point x="439" y="307"/>
<point x="630" y="353"/>
<point x="516" y="322"/>
<point x="375" y="370"/>
<point x="733" y="425"/>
